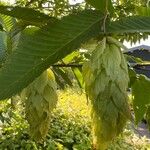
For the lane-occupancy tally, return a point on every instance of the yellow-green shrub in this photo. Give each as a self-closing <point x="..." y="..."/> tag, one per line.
<point x="69" y="128"/>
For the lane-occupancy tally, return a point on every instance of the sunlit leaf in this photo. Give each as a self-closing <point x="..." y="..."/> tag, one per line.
<point x="39" y="48"/>
<point x="78" y="76"/>
<point x="143" y="11"/>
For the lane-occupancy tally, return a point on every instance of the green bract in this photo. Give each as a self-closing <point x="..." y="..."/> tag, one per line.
<point x="40" y="98"/>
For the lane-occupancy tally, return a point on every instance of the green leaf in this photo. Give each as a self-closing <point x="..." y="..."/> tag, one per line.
<point x="141" y="96"/>
<point x="12" y="28"/>
<point x="129" y="25"/>
<point x="7" y="22"/>
<point x="26" y="14"/>
<point x="14" y="35"/>
<point x="78" y="76"/>
<point x="40" y="48"/>
<point x="101" y="5"/>
<point x="2" y="46"/>
<point x="69" y="58"/>
<point x="132" y="76"/>
<point x="143" y="11"/>
<point x="125" y="25"/>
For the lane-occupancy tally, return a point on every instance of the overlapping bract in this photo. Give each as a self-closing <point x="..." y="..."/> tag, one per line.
<point x="40" y="99"/>
<point x="106" y="81"/>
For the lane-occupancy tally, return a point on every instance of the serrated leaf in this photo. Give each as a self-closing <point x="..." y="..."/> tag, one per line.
<point x="125" y="25"/>
<point x="129" y="25"/>
<point x="141" y="96"/>
<point x="26" y="14"/>
<point x="40" y="48"/>
<point x="14" y="35"/>
<point x="7" y="22"/>
<point x="12" y="28"/>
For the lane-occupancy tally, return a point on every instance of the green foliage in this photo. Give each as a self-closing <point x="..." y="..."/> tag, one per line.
<point x="56" y="8"/>
<point x="78" y="75"/>
<point x="28" y="15"/>
<point x="132" y="24"/>
<point x="40" y="48"/>
<point x="33" y="49"/>
<point x="102" y="5"/>
<point x="2" y="46"/>
<point x="71" y="122"/>
<point x="37" y="49"/>
<point x="141" y="96"/>
<point x="143" y="11"/>
<point x="69" y="127"/>
<point x="7" y="22"/>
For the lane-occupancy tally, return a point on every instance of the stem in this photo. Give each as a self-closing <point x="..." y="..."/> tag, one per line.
<point x="80" y="65"/>
<point x="105" y="17"/>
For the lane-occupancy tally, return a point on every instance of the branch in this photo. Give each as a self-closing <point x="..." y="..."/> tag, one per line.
<point x="67" y="65"/>
<point x="80" y="65"/>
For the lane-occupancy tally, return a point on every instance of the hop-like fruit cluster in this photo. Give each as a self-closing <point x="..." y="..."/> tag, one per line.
<point x="40" y="99"/>
<point x="106" y="81"/>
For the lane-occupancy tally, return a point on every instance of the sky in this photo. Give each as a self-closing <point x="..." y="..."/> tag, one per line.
<point x="143" y="42"/>
<point x="75" y="1"/>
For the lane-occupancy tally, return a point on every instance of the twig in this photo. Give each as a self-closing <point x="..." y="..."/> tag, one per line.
<point x="137" y="66"/>
<point x="105" y="17"/>
<point x="67" y="65"/>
